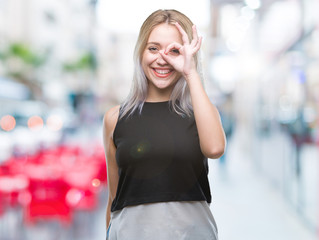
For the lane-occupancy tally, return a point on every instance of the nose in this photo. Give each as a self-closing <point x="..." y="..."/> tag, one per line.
<point x="160" y="59"/>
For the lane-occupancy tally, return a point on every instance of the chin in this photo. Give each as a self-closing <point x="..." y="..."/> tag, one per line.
<point x="163" y="84"/>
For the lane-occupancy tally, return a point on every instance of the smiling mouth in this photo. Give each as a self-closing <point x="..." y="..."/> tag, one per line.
<point x="162" y="73"/>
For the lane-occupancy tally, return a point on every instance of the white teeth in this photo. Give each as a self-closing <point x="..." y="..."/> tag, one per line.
<point x="164" y="71"/>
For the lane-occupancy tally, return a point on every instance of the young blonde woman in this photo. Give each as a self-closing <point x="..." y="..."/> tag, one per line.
<point x="158" y="140"/>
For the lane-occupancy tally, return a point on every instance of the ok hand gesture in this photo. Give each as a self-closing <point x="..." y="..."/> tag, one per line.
<point x="183" y="61"/>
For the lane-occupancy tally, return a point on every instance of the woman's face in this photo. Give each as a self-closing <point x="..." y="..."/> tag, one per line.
<point x="160" y="74"/>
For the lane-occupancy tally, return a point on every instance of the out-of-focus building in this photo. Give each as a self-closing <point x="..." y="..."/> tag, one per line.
<point x="115" y="56"/>
<point x="265" y="54"/>
<point x="47" y="59"/>
<point x="64" y="30"/>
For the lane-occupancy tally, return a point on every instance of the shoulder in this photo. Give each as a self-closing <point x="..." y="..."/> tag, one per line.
<point x="110" y="118"/>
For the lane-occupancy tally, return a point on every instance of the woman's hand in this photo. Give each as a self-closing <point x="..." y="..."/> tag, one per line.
<point x="181" y="57"/>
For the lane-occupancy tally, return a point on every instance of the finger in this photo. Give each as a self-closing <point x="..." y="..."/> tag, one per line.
<point x="198" y="45"/>
<point x="173" y="46"/>
<point x="183" y="33"/>
<point x="195" y="36"/>
<point x="166" y="57"/>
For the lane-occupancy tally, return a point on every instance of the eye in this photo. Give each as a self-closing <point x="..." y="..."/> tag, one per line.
<point x="152" y="49"/>
<point x="175" y="51"/>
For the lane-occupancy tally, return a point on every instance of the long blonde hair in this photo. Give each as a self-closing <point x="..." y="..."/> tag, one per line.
<point x="138" y="93"/>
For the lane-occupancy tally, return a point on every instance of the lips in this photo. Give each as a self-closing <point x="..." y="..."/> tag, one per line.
<point x="162" y="73"/>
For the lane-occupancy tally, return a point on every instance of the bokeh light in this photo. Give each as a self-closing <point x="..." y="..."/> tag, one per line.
<point x="74" y="196"/>
<point x="54" y="123"/>
<point x="96" y="182"/>
<point x="35" y="123"/>
<point x="8" y="123"/>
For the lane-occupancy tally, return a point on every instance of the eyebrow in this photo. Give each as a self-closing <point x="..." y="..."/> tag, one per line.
<point x="155" y="43"/>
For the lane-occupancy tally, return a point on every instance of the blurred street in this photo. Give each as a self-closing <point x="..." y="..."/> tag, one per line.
<point x="246" y="204"/>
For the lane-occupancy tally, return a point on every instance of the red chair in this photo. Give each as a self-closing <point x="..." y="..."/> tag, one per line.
<point x="2" y="210"/>
<point x="47" y="190"/>
<point x="82" y="199"/>
<point x="11" y="185"/>
<point x="84" y="186"/>
<point x="48" y="202"/>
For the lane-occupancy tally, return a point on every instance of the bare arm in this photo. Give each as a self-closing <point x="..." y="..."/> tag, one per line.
<point x="210" y="130"/>
<point x="109" y="123"/>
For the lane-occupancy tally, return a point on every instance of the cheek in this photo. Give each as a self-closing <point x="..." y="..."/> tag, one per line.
<point x="145" y="65"/>
<point x="148" y="59"/>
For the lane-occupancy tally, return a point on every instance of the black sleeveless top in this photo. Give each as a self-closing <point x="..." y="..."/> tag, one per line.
<point x="159" y="158"/>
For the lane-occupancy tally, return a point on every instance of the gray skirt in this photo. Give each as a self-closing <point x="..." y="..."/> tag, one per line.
<point x="164" y="221"/>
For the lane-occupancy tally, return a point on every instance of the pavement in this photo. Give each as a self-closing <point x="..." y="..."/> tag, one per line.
<point x="246" y="204"/>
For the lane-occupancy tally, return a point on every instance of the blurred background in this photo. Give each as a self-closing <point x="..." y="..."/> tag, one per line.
<point x="64" y="63"/>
